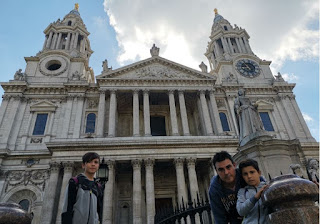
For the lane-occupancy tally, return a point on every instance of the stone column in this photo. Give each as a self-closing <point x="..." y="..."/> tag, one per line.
<point x="49" y="39"/>
<point x="173" y="113"/>
<point x="67" y="174"/>
<point x="150" y="198"/>
<point x="101" y="113"/>
<point x="205" y="112"/>
<point x="12" y="116"/>
<point x="136" y="204"/>
<point x="300" y="117"/>
<point x="76" y="41"/>
<point x="3" y="107"/>
<point x="230" y="45"/>
<point x="107" y="216"/>
<point x="181" y="184"/>
<point x="286" y="118"/>
<point x="193" y="183"/>
<point x="215" y="111"/>
<point x="225" y="45"/>
<point x="246" y="44"/>
<point x="54" y="41"/>
<point x="217" y="49"/>
<point x="112" y="114"/>
<point x="230" y="99"/>
<point x="66" y="118"/>
<point x="50" y="193"/>
<point x="183" y="112"/>
<point x="72" y="41"/>
<point x="68" y="41"/>
<point x="78" y="118"/>
<point x="242" y="45"/>
<point x="135" y="113"/>
<point x="146" y="113"/>
<point x="238" y="45"/>
<point x="59" y="40"/>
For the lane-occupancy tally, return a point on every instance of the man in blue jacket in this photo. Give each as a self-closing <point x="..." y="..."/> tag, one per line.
<point x="224" y="188"/>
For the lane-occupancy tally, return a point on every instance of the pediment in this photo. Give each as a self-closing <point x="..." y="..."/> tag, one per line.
<point x="156" y="68"/>
<point x="264" y="105"/>
<point x="44" y="106"/>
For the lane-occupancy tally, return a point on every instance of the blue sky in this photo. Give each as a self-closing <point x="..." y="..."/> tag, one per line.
<point x="122" y="31"/>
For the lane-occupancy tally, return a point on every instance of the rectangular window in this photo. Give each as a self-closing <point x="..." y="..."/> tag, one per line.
<point x="224" y="121"/>
<point x="158" y="126"/>
<point x="266" y="121"/>
<point x="40" y="124"/>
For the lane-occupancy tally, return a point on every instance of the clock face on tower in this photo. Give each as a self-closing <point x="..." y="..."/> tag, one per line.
<point x="248" y="68"/>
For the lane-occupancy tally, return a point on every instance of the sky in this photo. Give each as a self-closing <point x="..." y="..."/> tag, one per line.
<point x="285" y="32"/>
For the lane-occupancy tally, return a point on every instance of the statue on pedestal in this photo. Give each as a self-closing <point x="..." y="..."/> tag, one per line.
<point x="247" y="116"/>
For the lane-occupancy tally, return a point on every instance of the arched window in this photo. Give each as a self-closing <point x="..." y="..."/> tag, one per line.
<point x="224" y="121"/>
<point x="91" y="123"/>
<point x="69" y="23"/>
<point x="267" y="124"/>
<point x="25" y="204"/>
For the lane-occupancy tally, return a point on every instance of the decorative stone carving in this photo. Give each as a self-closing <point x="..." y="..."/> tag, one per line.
<point x="68" y="166"/>
<point x="248" y="118"/>
<point x="36" y="140"/>
<point x="136" y="163"/>
<point x="279" y="78"/>
<point x="30" y="162"/>
<point x="313" y="169"/>
<point x="76" y="76"/>
<point x="230" y="78"/>
<point x="178" y="162"/>
<point x="296" y="169"/>
<point x="191" y="161"/>
<point x="203" y="67"/>
<point x="220" y="103"/>
<point x="19" y="76"/>
<point x="105" y="66"/>
<point x="33" y="177"/>
<point x="92" y="104"/>
<point x="154" y="51"/>
<point x="149" y="163"/>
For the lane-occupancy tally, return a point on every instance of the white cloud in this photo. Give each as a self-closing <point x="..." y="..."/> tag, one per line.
<point x="290" y="77"/>
<point x="307" y="118"/>
<point x="181" y="28"/>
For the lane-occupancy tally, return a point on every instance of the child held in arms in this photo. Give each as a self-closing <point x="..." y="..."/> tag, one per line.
<point x="249" y="203"/>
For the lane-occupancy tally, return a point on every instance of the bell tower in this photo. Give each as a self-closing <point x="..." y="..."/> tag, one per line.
<point x="230" y="55"/>
<point x="65" y="53"/>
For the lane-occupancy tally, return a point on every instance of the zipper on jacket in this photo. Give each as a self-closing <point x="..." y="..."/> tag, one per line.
<point x="258" y="207"/>
<point x="89" y="207"/>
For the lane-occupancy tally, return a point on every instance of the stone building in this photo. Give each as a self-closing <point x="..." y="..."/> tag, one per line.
<point x="156" y="123"/>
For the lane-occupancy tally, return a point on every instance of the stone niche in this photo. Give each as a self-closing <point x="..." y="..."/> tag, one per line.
<point x="274" y="156"/>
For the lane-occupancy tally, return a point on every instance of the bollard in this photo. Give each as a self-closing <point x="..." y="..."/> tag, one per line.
<point x="291" y="199"/>
<point x="12" y="213"/>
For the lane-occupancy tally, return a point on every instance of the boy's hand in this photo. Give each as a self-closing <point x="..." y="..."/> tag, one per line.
<point x="258" y="194"/>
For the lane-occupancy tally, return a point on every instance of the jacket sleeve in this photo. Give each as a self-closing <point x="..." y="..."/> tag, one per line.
<point x="217" y="208"/>
<point x="244" y="205"/>
<point x="69" y="201"/>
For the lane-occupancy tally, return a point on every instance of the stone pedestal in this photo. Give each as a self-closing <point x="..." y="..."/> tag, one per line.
<point x="12" y="213"/>
<point x="274" y="156"/>
<point x="292" y="200"/>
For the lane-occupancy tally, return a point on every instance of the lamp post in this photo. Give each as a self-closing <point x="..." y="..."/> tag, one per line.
<point x="103" y="172"/>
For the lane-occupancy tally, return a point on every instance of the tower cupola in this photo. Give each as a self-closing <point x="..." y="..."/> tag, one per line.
<point x="69" y="35"/>
<point x="226" y="41"/>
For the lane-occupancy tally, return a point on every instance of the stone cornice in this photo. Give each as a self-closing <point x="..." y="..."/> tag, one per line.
<point x="14" y="87"/>
<point x="154" y="82"/>
<point x="139" y="143"/>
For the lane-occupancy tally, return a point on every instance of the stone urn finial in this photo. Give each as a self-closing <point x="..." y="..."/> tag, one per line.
<point x="12" y="213"/>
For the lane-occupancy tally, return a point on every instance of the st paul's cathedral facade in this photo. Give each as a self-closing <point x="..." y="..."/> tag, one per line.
<point x="156" y="123"/>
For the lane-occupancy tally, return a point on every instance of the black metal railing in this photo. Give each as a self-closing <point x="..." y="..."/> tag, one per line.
<point x="185" y="211"/>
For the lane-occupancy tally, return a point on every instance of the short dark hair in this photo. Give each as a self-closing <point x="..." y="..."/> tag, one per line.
<point x="221" y="156"/>
<point x="89" y="156"/>
<point x="248" y="162"/>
